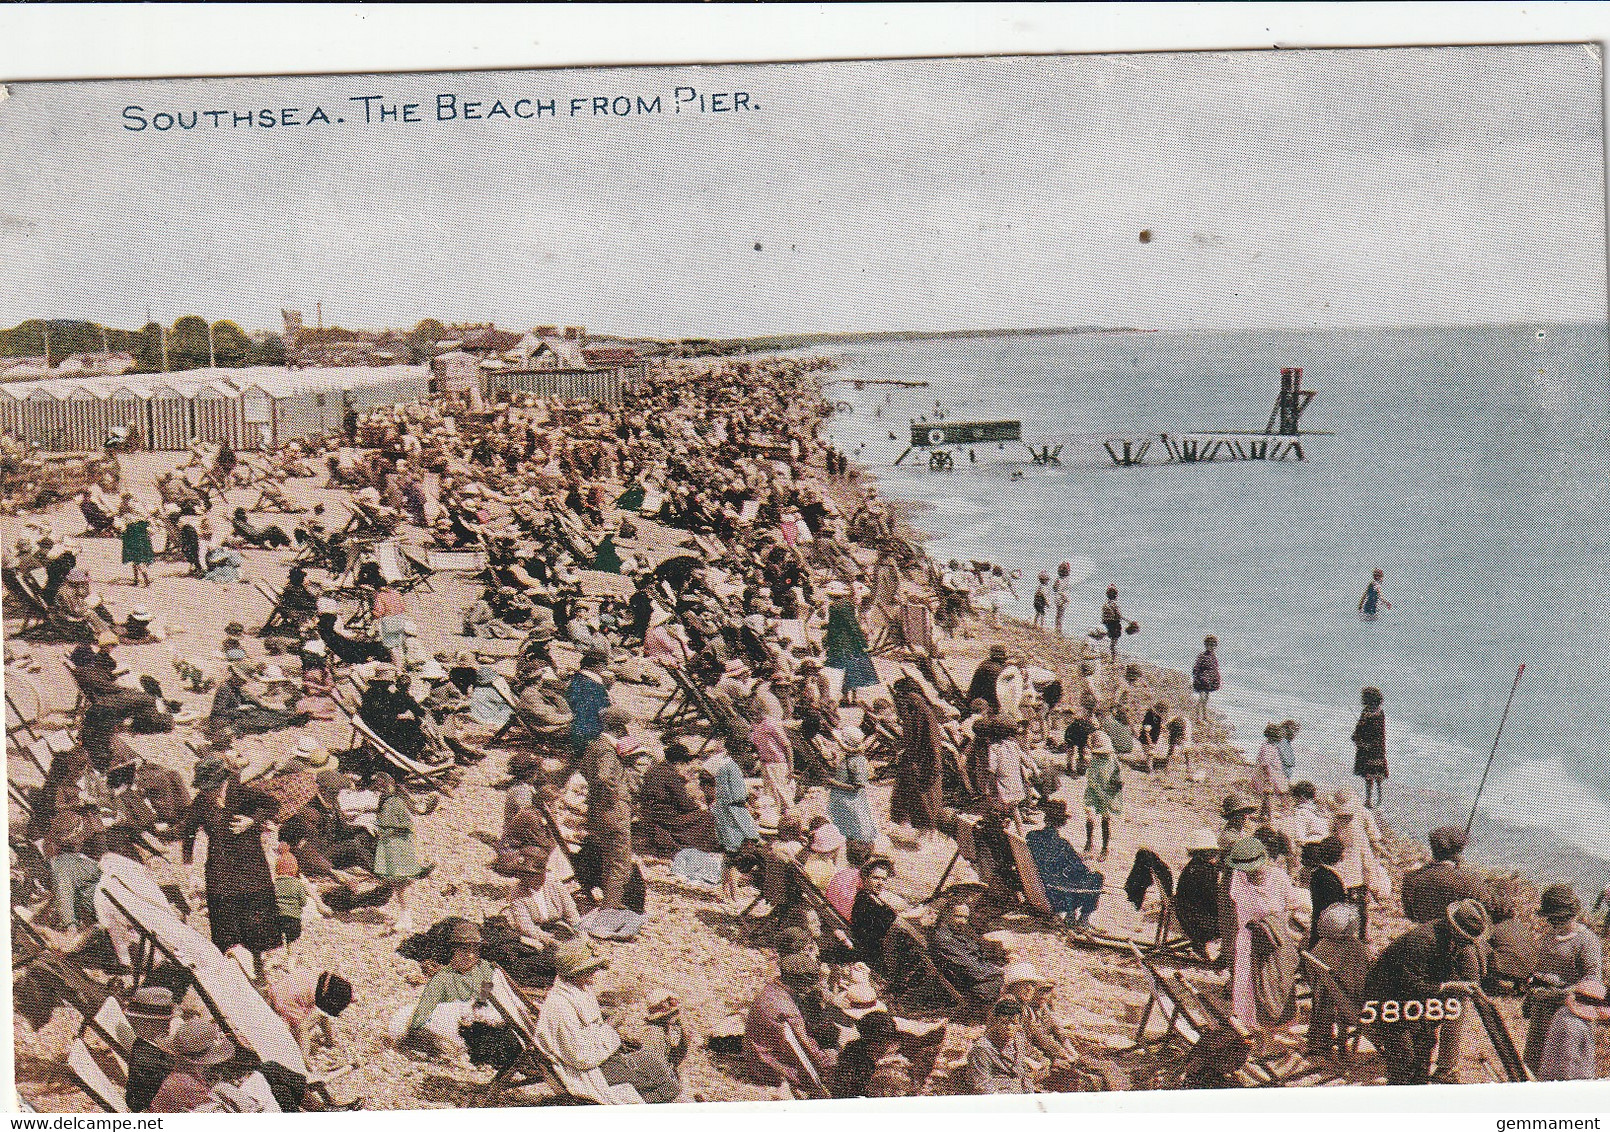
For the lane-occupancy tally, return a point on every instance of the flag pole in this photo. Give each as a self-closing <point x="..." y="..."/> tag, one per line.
<point x="1481" y="785"/>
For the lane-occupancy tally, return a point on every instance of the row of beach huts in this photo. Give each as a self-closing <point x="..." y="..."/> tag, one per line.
<point x="252" y="408"/>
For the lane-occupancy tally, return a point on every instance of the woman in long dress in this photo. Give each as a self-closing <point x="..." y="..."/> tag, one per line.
<point x="1257" y="891"/>
<point x="1369" y="746"/>
<point x="847" y="805"/>
<point x="137" y="551"/>
<point x="919" y="768"/>
<point x="845" y="643"/>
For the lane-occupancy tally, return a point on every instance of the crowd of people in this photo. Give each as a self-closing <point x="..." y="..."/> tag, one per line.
<point x="693" y="648"/>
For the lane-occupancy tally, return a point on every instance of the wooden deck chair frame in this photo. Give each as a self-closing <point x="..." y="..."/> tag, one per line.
<point x="27" y="604"/>
<point x="277" y="615"/>
<point x="1187" y="1015"/>
<point x="422" y="571"/>
<point x="1503" y="1042"/>
<point x="93" y="1080"/>
<point x="519" y="716"/>
<point x="797" y="1048"/>
<point x="411" y="773"/>
<point x="931" y="974"/>
<point x="392" y="569"/>
<point x="151" y="946"/>
<point x="531" y="1066"/>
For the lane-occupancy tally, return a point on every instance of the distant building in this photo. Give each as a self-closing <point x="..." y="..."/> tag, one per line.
<point x="537" y="352"/>
<point x="110" y="364"/>
<point x="599" y="356"/>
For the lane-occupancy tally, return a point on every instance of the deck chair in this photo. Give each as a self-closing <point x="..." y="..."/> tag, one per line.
<point x="24" y="602"/>
<point x="277" y="614"/>
<point x="1515" y="1067"/>
<point x="1186" y="1017"/>
<point x="519" y="717"/>
<point x="421" y="570"/>
<point x="1347" y="1009"/>
<point x="93" y="1080"/>
<point x="411" y="773"/>
<point x="392" y="570"/>
<point x="234" y="1003"/>
<point x="911" y="947"/>
<point x="532" y="1066"/>
<point x="818" y="1088"/>
<point x="112" y="1026"/>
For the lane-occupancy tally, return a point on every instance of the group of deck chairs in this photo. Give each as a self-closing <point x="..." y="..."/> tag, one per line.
<point x="401" y="568"/>
<point x="1189" y="1013"/>
<point x="170" y="952"/>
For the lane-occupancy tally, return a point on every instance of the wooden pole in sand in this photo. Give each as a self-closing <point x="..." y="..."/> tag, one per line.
<point x="1479" y="786"/>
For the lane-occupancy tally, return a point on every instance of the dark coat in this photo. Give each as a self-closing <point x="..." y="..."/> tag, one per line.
<point x="1416" y="964"/>
<point x="982" y="686"/>
<point x="241" y="907"/>
<point x="919" y="779"/>
<point x="1428" y="891"/>
<point x="1324" y="889"/>
<point x="1369" y="743"/>
<point x="673" y="819"/>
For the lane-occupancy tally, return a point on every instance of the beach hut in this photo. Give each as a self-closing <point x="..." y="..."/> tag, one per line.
<point x="168" y="410"/>
<point x="256" y="418"/>
<point x="10" y="414"/>
<point x="85" y="422"/>
<point x="126" y="408"/>
<point x="215" y="411"/>
<point x="43" y="418"/>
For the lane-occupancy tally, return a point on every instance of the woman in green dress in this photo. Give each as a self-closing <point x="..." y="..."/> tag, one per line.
<point x="395" y="860"/>
<point x="137" y="550"/>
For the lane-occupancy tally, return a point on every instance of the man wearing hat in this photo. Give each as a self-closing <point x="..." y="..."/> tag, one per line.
<point x="1567" y="952"/>
<point x="1569" y="1052"/>
<point x="586" y="1050"/>
<point x="995" y="1063"/>
<point x="959" y="955"/>
<point x="609" y="805"/>
<point x="1427" y="892"/>
<point x="434" y="1022"/>
<point x="773" y="1018"/>
<point x="199" y="1050"/>
<point x="150" y="1014"/>
<point x="1416" y="967"/>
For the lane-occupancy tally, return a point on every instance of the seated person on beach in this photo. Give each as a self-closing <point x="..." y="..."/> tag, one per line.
<point x="587" y="1051"/>
<point x="771" y="1058"/>
<point x="236" y="711"/>
<point x="672" y="818"/>
<point x="996" y="1062"/>
<point x="1073" y="889"/>
<point x="447" y="999"/>
<point x="959" y="954"/>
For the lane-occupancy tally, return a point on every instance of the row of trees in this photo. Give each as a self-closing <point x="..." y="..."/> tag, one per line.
<point x="187" y="343"/>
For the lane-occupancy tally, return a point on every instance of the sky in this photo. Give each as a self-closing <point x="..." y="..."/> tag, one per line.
<point x="1420" y="186"/>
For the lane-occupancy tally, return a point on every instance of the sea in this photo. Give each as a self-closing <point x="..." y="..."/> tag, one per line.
<point x="1469" y="464"/>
